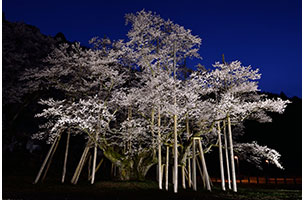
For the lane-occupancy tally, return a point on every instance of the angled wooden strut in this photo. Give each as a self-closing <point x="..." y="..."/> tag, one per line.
<point x="50" y="160"/>
<point x="204" y="167"/>
<point x="80" y="164"/>
<point x="48" y="156"/>
<point x="66" y="157"/>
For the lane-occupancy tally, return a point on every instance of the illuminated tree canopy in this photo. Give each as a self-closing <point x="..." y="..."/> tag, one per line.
<point x="129" y="101"/>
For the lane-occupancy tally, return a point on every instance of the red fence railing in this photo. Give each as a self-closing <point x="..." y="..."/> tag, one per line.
<point x="265" y="180"/>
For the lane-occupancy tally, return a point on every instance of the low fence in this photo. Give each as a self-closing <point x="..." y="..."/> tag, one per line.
<point x="264" y="180"/>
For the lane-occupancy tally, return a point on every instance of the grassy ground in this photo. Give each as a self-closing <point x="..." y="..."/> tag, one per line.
<point x="22" y="188"/>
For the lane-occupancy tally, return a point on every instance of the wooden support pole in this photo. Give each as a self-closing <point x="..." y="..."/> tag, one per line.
<point x="227" y="154"/>
<point x="162" y="171"/>
<point x="82" y="165"/>
<point x="232" y="155"/>
<point x="159" y="149"/>
<point x="89" y="166"/>
<point x="166" y="167"/>
<point x="223" y="187"/>
<point x="79" y="164"/>
<point x="205" y="170"/>
<point x="201" y="173"/>
<point x="187" y="177"/>
<point x="50" y="160"/>
<point x="45" y="160"/>
<point x="194" y="166"/>
<point x="188" y="153"/>
<point x="66" y="158"/>
<point x="97" y="168"/>
<point x="94" y="158"/>
<point x="175" y="128"/>
<point x="175" y="155"/>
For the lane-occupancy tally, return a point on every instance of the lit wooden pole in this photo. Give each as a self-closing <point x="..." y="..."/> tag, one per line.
<point x="89" y="166"/>
<point x="166" y="167"/>
<point x="80" y="163"/>
<point x="66" y="157"/>
<point x="232" y="155"/>
<point x="227" y="154"/>
<point x="46" y="159"/>
<point x="201" y="173"/>
<point x="188" y="153"/>
<point x="205" y="170"/>
<point x="159" y="150"/>
<point x="97" y="168"/>
<point x="94" y="157"/>
<point x="50" y="160"/>
<point x="175" y="128"/>
<point x="223" y="187"/>
<point x="194" y="165"/>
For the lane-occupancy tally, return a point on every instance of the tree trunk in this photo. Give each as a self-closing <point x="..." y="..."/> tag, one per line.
<point x="131" y="169"/>
<point x="223" y="187"/>
<point x="45" y="160"/>
<point x="127" y="171"/>
<point x="232" y="156"/>
<point x="183" y="176"/>
<point x="189" y="172"/>
<point x="66" y="158"/>
<point x="114" y="170"/>
<point x="205" y="170"/>
<point x="227" y="154"/>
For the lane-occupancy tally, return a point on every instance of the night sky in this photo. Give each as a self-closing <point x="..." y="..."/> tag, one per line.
<point x="263" y="33"/>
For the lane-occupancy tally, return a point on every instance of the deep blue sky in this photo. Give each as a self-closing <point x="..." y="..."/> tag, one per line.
<point x="263" y="33"/>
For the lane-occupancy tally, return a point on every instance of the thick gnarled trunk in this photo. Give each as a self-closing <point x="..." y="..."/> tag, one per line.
<point x="132" y="169"/>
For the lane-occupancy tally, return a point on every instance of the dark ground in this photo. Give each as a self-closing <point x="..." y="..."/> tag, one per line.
<point x="18" y="187"/>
